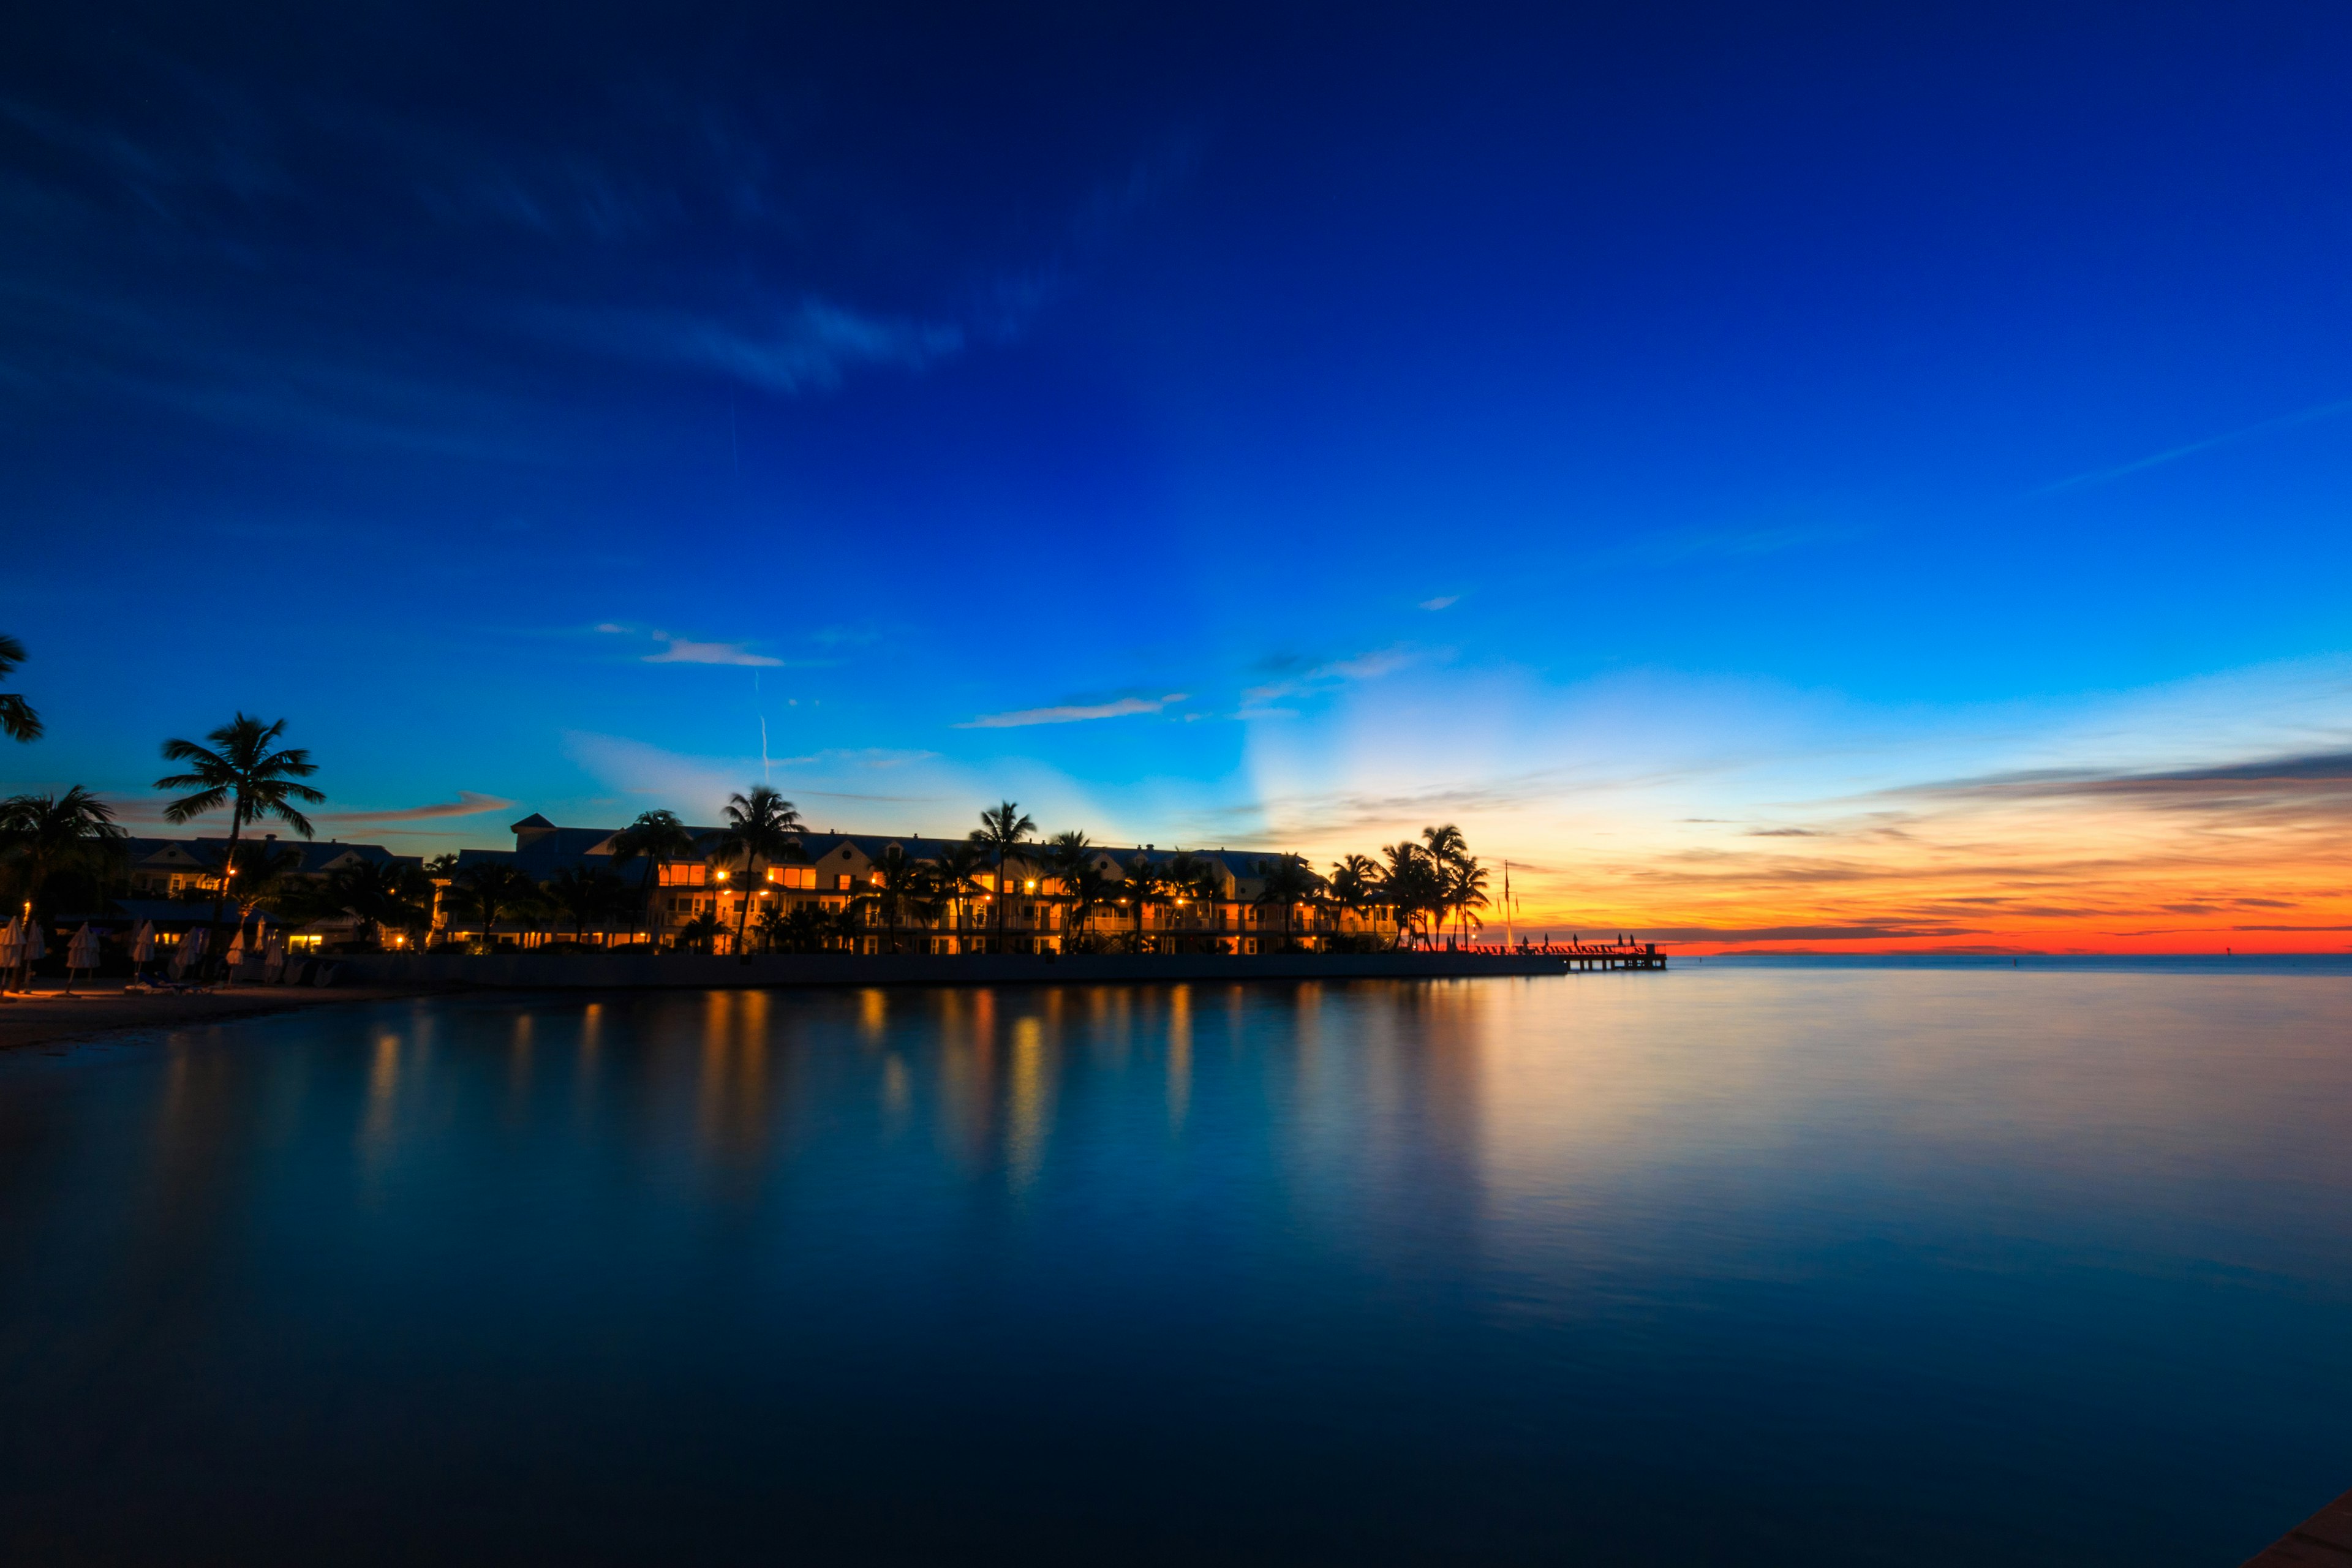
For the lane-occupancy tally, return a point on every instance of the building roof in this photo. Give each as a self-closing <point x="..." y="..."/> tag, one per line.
<point x="317" y="856"/>
<point x="543" y="849"/>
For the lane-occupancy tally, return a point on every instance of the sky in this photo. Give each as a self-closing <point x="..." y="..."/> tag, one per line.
<point x="1857" y="478"/>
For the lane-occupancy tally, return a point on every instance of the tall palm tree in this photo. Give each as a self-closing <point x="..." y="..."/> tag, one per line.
<point x="655" y="837"/>
<point x="1002" y="830"/>
<point x="1465" y="889"/>
<point x="44" y="834"/>
<point x="1445" y="845"/>
<point x="1355" y="885"/>
<point x="1074" y="862"/>
<point x="1410" y="885"/>
<point x="492" y="887"/>
<point x="774" y="925"/>
<point x="1145" y="884"/>
<point x="239" y="771"/>
<point x="909" y="886"/>
<point x="1287" y="881"/>
<point x="956" y="868"/>
<point x="16" y="715"/>
<point x="762" y="828"/>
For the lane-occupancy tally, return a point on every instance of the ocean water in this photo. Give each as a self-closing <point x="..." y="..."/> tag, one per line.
<point x="1744" y="1263"/>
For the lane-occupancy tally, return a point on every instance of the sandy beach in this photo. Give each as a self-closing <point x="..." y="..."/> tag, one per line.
<point x="46" y="1016"/>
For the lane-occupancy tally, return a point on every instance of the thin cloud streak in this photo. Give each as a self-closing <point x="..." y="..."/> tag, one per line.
<point x="682" y="651"/>
<point x="467" y="803"/>
<point x="1071" y="713"/>
<point x="2285" y="421"/>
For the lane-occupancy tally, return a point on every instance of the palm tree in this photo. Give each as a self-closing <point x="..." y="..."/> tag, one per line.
<point x="1288" y="882"/>
<point x="773" y="926"/>
<point x="760" y="827"/>
<point x="1145" y="884"/>
<point x="956" y="867"/>
<point x="239" y="771"/>
<point x="808" y="928"/>
<point x="1465" y="889"/>
<point x="44" y="834"/>
<point x="1354" y="885"/>
<point x="584" y="895"/>
<point x="16" y="715"/>
<point x="1074" y="863"/>
<point x="1411" y="883"/>
<point x="700" y="931"/>
<point x="1000" y="832"/>
<point x="1444" y="844"/>
<point x="492" y="887"/>
<point x="384" y="893"/>
<point x="656" y="836"/>
<point x="909" y="886"/>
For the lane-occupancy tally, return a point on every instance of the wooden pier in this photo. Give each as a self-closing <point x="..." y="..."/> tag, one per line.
<point x="1580" y="955"/>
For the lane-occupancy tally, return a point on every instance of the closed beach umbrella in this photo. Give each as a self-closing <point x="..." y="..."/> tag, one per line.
<point x="12" y="948"/>
<point x="83" y="952"/>
<point x="35" y="949"/>
<point x="143" y="943"/>
<point x="190" y="952"/>
<point x="236" y="954"/>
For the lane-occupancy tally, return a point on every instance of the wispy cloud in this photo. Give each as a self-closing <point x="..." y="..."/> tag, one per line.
<point x="2174" y="454"/>
<point x="1256" y="701"/>
<point x="1071" y="713"/>
<point x="1443" y="602"/>
<point x="2321" y="777"/>
<point x="683" y="651"/>
<point x="467" y="803"/>
<point x="808" y="346"/>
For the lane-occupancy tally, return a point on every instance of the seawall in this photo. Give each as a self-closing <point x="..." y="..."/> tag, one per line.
<point x="604" y="972"/>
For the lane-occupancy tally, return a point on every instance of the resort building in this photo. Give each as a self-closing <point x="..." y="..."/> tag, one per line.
<point x="1204" y="900"/>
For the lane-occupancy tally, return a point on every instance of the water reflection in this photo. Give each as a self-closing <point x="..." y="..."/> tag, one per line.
<point x="2042" y="1268"/>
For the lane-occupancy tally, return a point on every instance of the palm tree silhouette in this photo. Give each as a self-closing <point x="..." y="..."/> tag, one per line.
<point x="700" y="931"/>
<point x="907" y="886"/>
<point x="761" y="826"/>
<point x="1002" y="830"/>
<point x="16" y="715"/>
<point x="384" y="893"/>
<point x="771" y="925"/>
<point x="583" y="894"/>
<point x="957" y="868"/>
<point x="1145" y="884"/>
<point x="1288" y="882"/>
<point x="238" y="769"/>
<point x="657" y="836"/>
<point x="43" y="834"/>
<point x="1073" y="861"/>
<point x="1465" y="889"/>
<point x="1354" y="885"/>
<point x="492" y="887"/>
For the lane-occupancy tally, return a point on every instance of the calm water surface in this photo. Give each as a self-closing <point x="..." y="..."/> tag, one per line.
<point x="1736" y="1265"/>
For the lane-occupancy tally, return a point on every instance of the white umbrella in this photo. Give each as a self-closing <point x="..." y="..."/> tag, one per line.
<point x="143" y="943"/>
<point x="12" y="948"/>
<point x="236" y="954"/>
<point x="273" y="957"/>
<point x="190" y="953"/>
<point x="35" y="949"/>
<point x="81" y="954"/>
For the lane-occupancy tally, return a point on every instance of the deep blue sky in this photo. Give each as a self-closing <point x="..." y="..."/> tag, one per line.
<point x="1738" y="374"/>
